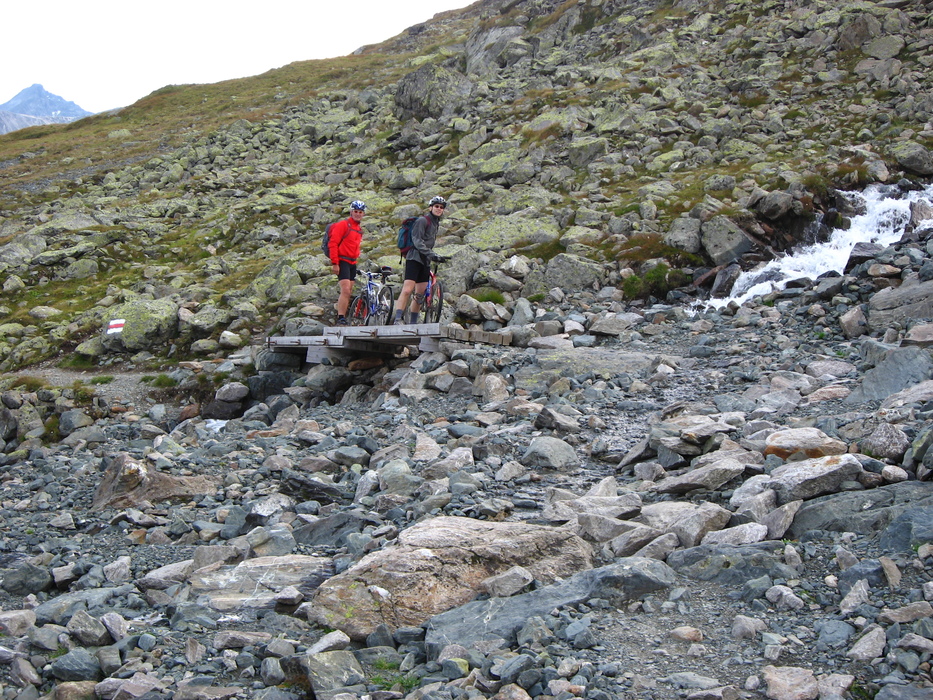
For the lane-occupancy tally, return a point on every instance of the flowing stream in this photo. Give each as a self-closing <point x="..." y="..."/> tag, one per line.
<point x="887" y="211"/>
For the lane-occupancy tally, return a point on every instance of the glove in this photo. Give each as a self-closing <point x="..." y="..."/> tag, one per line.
<point x="434" y="257"/>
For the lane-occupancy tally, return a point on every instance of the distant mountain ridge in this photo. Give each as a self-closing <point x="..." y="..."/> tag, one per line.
<point x="10" y="121"/>
<point x="35" y="105"/>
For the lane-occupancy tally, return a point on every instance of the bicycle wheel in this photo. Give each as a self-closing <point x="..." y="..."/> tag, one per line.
<point x="432" y="312"/>
<point x="357" y="313"/>
<point x="385" y="304"/>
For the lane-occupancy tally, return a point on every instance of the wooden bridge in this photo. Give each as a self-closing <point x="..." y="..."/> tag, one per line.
<point x="337" y="342"/>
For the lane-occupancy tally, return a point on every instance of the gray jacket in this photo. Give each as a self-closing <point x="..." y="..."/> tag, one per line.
<point x="423" y="237"/>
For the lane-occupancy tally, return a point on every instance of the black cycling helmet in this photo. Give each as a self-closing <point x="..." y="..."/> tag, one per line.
<point x="438" y="200"/>
<point x="358" y="205"/>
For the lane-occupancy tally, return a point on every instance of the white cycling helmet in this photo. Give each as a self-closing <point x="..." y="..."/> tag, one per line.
<point x="358" y="205"/>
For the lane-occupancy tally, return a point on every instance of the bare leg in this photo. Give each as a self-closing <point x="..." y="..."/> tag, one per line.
<point x="343" y="301"/>
<point x="408" y="286"/>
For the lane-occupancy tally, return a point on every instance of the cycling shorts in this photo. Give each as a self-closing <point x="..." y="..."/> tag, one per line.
<point x="414" y="270"/>
<point x="347" y="271"/>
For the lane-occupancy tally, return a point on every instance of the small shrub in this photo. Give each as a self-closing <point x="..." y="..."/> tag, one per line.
<point x="52" y="434"/>
<point x="545" y="251"/>
<point x="162" y="381"/>
<point x="647" y="246"/>
<point x="488" y="294"/>
<point x="29" y="383"/>
<point x="656" y="279"/>
<point x="77" y="361"/>
<point x="102" y="379"/>
<point x="83" y="394"/>
<point x="404" y="681"/>
<point x="632" y="287"/>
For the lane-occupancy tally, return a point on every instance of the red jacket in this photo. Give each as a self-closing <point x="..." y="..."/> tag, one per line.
<point x="345" y="237"/>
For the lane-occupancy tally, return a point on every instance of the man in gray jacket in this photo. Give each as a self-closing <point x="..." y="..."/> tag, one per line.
<point x="418" y="261"/>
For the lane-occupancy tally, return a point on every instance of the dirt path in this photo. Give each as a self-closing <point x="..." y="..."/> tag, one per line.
<point x="113" y="383"/>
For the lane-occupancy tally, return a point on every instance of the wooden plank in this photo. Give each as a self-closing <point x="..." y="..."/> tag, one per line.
<point x="348" y="341"/>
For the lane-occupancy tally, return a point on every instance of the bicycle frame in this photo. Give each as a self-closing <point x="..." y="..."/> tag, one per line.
<point x="370" y="291"/>
<point x="431" y="306"/>
<point x="369" y="302"/>
<point x="429" y="290"/>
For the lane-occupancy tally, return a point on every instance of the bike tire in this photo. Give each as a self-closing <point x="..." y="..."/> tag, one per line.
<point x="435" y="303"/>
<point x="358" y="311"/>
<point x="385" y="305"/>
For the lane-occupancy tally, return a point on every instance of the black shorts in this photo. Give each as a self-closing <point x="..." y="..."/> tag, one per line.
<point x="414" y="270"/>
<point x="347" y="271"/>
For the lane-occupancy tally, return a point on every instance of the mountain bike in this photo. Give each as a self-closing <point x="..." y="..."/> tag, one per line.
<point x="373" y="306"/>
<point x="433" y="295"/>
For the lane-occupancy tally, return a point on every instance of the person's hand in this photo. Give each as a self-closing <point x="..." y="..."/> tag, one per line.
<point x="434" y="257"/>
<point x="335" y="269"/>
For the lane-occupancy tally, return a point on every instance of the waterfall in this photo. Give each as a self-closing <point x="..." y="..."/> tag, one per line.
<point x="886" y="213"/>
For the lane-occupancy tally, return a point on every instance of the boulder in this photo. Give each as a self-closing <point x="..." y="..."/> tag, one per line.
<point x="431" y="91"/>
<point x="501" y="618"/>
<point x="146" y="323"/>
<point x="573" y="272"/>
<point x="912" y="156"/>
<point x="506" y="232"/>
<point x="910" y="300"/>
<point x="901" y="369"/>
<point x="127" y="482"/>
<point x="684" y="233"/>
<point x="809" y="478"/>
<point x="256" y="583"/>
<point x="550" y="452"/>
<point x="723" y="240"/>
<point x="437" y="565"/>
<point x="488" y="50"/>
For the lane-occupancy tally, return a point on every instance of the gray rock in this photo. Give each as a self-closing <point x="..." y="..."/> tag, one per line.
<point x="813" y="477"/>
<point x="684" y="233"/>
<point x="551" y="453"/>
<point x="731" y="565"/>
<point x="324" y="671"/>
<point x="88" y="630"/>
<point x="76" y="665"/>
<point x="25" y="579"/>
<point x="901" y="369"/>
<point x="625" y="579"/>
<point x="723" y="240"/>
<point x="147" y="324"/>
<point x="775" y="205"/>
<point x="432" y="91"/>
<point x="573" y="272"/>
<point x="862" y="512"/>
<point x="914" y="157"/>
<point x="912" y="527"/>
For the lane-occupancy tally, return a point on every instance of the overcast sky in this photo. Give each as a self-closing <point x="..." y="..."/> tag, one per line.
<point x="103" y="54"/>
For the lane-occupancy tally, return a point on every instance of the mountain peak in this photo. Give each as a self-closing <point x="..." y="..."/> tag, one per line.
<point x="36" y="101"/>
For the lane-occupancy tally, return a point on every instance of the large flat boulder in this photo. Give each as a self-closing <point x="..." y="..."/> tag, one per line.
<point x="438" y="565"/>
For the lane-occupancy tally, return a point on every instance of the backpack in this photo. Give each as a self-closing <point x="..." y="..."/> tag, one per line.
<point x="325" y="242"/>
<point x="404" y="235"/>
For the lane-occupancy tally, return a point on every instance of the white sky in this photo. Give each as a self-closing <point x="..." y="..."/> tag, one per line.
<point x="103" y="54"/>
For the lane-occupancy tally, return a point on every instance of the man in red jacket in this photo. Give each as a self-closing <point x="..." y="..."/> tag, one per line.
<point x="345" y="237"/>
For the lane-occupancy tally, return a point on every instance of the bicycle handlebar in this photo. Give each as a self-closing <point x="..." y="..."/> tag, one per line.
<point x="385" y="271"/>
